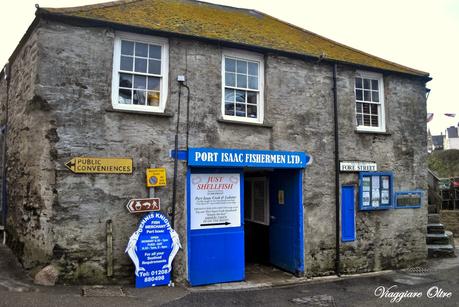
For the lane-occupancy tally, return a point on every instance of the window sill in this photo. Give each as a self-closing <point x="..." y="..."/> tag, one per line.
<point x="372" y="132"/>
<point x="235" y="122"/>
<point x="165" y="114"/>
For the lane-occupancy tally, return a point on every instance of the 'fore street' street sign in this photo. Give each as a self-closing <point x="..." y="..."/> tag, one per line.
<point x="143" y="205"/>
<point x="87" y="165"/>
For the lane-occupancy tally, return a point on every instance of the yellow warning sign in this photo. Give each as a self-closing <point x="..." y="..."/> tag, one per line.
<point x="100" y="165"/>
<point x="156" y="177"/>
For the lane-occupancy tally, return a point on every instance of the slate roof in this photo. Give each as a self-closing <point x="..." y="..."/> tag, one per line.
<point x="226" y="24"/>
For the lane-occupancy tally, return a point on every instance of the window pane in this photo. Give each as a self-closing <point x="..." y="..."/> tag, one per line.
<point x="124" y="96"/>
<point x="374" y="85"/>
<point x="358" y="94"/>
<point x="358" y="107"/>
<point x="229" y="95"/>
<point x="374" y="109"/>
<point x="153" y="83"/>
<point x="241" y="80"/>
<point x="230" y="79"/>
<point x="154" y="67"/>
<point x="259" y="201"/>
<point x="367" y="95"/>
<point x="229" y="109"/>
<point x="358" y="82"/>
<point x="139" y="97"/>
<point x="126" y="63"/>
<point x="359" y="119"/>
<point x="374" y="121"/>
<point x="366" y="120"/>
<point x="153" y="99"/>
<point x="127" y="47"/>
<point x="253" y="83"/>
<point x="375" y="96"/>
<point x="141" y="49"/>
<point x="240" y="96"/>
<point x="247" y="200"/>
<point x="241" y="67"/>
<point x="125" y="80"/>
<point x="366" y="84"/>
<point x="366" y="108"/>
<point x="230" y="65"/>
<point x="253" y="69"/>
<point x="140" y="65"/>
<point x="140" y="82"/>
<point x="251" y="111"/>
<point x="155" y="52"/>
<point x="252" y="97"/>
<point x="240" y="109"/>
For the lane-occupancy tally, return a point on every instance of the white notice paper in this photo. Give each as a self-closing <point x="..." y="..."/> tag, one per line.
<point x="215" y="201"/>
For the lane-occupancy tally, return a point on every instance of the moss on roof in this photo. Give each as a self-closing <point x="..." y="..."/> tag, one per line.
<point x="240" y="26"/>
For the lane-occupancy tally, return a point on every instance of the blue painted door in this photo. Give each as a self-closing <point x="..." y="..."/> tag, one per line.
<point x="286" y="221"/>
<point x="215" y="252"/>
<point x="347" y="213"/>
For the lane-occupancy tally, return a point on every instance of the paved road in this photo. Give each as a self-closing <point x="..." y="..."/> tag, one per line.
<point x="16" y="289"/>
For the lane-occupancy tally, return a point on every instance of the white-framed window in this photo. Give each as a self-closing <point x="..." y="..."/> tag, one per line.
<point x="242" y="86"/>
<point x="256" y="200"/>
<point x="369" y="102"/>
<point x="140" y="73"/>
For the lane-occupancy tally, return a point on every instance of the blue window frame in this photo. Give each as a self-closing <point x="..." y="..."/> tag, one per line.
<point x="375" y="191"/>
<point x="408" y="199"/>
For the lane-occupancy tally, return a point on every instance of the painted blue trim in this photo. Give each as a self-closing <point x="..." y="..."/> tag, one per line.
<point x="419" y="192"/>
<point x="391" y="189"/>
<point x="239" y="158"/>
<point x="181" y="154"/>
<point x="348" y="220"/>
<point x="301" y="222"/>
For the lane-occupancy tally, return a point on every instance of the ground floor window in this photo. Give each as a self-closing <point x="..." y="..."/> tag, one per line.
<point x="256" y="200"/>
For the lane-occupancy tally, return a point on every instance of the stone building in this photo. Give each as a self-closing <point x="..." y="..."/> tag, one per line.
<point x="101" y="81"/>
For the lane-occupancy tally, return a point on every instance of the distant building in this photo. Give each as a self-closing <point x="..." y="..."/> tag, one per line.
<point x="451" y="138"/>
<point x="437" y="142"/>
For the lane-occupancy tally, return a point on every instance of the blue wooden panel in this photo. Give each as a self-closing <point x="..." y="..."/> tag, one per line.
<point x="347" y="213"/>
<point x="215" y="255"/>
<point x="286" y="223"/>
<point x="223" y="157"/>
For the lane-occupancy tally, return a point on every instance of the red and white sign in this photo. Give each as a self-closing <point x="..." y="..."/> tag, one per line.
<point x="143" y="205"/>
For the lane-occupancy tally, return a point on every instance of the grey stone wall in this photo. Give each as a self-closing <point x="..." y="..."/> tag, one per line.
<point x="72" y="99"/>
<point x="30" y="171"/>
<point x="450" y="218"/>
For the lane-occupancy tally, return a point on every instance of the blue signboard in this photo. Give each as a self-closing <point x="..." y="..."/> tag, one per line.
<point x="408" y="199"/>
<point x="152" y="248"/>
<point x="220" y="157"/>
<point x="375" y="190"/>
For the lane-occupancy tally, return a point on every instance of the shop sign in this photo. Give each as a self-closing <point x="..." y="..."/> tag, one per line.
<point x="218" y="157"/>
<point x="156" y="177"/>
<point x="152" y="249"/>
<point x="215" y="201"/>
<point x="143" y="205"/>
<point x="357" y="166"/>
<point x="87" y="165"/>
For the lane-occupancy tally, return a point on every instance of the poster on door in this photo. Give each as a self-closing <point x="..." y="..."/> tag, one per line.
<point x="215" y="201"/>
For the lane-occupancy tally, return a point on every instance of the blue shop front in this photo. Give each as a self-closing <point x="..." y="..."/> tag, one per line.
<point x="243" y="206"/>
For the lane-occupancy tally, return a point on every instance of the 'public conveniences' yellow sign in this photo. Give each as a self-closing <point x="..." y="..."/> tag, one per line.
<point x="100" y="165"/>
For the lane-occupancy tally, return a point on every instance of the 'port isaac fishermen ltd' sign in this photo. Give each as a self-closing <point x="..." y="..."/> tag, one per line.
<point x="152" y="249"/>
<point x="215" y="201"/>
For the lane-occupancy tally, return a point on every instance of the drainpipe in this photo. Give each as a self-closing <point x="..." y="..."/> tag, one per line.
<point x="337" y="198"/>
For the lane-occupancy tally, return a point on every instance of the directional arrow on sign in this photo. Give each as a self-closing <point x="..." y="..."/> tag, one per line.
<point x="139" y="205"/>
<point x="216" y="224"/>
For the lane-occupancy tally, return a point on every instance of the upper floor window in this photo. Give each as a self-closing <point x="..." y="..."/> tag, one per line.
<point x="140" y="73"/>
<point x="242" y="86"/>
<point x="369" y="106"/>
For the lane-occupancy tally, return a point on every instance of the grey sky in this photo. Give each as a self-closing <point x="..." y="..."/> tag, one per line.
<point x="422" y="34"/>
